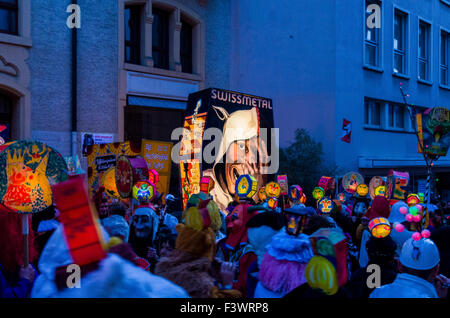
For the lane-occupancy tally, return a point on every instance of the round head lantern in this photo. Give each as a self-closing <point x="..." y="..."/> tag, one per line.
<point x="273" y="189"/>
<point x="246" y="186"/>
<point x="380" y="227"/>
<point x="318" y="193"/>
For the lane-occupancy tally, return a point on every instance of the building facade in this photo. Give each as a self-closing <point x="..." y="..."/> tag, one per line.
<point x="132" y="64"/>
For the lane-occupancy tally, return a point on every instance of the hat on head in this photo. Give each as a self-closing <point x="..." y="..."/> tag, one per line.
<point x="421" y="255"/>
<point x="116" y="225"/>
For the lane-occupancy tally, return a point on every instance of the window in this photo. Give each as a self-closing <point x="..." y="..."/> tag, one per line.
<point x="133" y="34"/>
<point x="6" y="117"/>
<point x="160" y="38"/>
<point x="445" y="37"/>
<point x="9" y="16"/>
<point x="424" y="50"/>
<point x="371" y="39"/>
<point x="186" y="47"/>
<point x="400" y="42"/>
<point x="396" y="116"/>
<point x="372" y="112"/>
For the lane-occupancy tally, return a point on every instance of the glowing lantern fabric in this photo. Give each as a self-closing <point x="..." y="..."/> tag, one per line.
<point x="273" y="189"/>
<point x="326" y="205"/>
<point x="283" y="182"/>
<point x="143" y="191"/>
<point x="433" y="128"/>
<point x="153" y="176"/>
<point x="380" y="190"/>
<point x="374" y="183"/>
<point x="109" y="182"/>
<point x="28" y="169"/>
<point x="351" y="180"/>
<point x="362" y="190"/>
<point x="262" y="194"/>
<point x="412" y="199"/>
<point x="396" y="184"/>
<point x="318" y="193"/>
<point x="246" y="186"/>
<point x="380" y="227"/>
<point x="295" y="193"/>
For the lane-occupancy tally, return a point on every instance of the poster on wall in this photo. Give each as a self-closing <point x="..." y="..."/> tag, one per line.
<point x="90" y="139"/>
<point x="243" y="124"/>
<point x="433" y="128"/>
<point x="157" y="154"/>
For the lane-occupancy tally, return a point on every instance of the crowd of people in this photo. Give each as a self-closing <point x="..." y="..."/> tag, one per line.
<point x="248" y="251"/>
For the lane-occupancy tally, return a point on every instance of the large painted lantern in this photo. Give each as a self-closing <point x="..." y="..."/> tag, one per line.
<point x="351" y="180"/>
<point x="380" y="227"/>
<point x="374" y="183"/>
<point x="433" y="127"/>
<point x="246" y="186"/>
<point x="27" y="171"/>
<point x="245" y="123"/>
<point x="396" y="185"/>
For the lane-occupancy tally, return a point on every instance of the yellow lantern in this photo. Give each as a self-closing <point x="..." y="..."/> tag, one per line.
<point x="380" y="227"/>
<point x="109" y="182"/>
<point x="362" y="190"/>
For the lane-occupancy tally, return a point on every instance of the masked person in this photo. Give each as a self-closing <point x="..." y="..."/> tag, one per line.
<point x="143" y="233"/>
<point x="396" y="217"/>
<point x="418" y="278"/>
<point x="191" y="265"/>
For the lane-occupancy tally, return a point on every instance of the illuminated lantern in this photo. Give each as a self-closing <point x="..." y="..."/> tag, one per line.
<point x="362" y="190"/>
<point x="303" y="199"/>
<point x="295" y="219"/>
<point x="341" y="197"/>
<point x="28" y="169"/>
<point x="246" y="186"/>
<point x="412" y="199"/>
<point x="318" y="193"/>
<point x="374" y="183"/>
<point x="153" y="176"/>
<point x="109" y="182"/>
<point x="273" y="203"/>
<point x="262" y="194"/>
<point x="380" y="227"/>
<point x="380" y="190"/>
<point x="421" y="197"/>
<point x="273" y="189"/>
<point x="128" y="172"/>
<point x="295" y="193"/>
<point x="327" y="270"/>
<point x="283" y="182"/>
<point x="326" y="205"/>
<point x="143" y="191"/>
<point x="351" y="180"/>
<point x="206" y="184"/>
<point x="396" y="185"/>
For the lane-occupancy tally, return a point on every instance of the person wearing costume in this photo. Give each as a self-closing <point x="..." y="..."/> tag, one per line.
<point x="16" y="280"/>
<point x="396" y="217"/>
<point x="380" y="208"/>
<point x="192" y="265"/>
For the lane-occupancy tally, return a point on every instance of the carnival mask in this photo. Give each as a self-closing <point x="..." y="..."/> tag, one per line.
<point x="142" y="223"/>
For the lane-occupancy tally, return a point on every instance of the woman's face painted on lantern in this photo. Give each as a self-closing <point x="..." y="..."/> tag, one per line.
<point x="245" y="157"/>
<point x="142" y="224"/>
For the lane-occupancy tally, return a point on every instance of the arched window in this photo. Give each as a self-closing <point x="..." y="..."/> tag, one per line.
<point x="6" y="116"/>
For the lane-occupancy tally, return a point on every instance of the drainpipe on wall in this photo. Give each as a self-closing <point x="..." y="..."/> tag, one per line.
<point x="74" y="127"/>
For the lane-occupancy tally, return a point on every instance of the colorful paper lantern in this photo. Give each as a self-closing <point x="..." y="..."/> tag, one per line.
<point x="421" y="197"/>
<point x="283" y="182"/>
<point x="380" y="227"/>
<point x="262" y="194"/>
<point x="246" y="186"/>
<point x="318" y="193"/>
<point x="206" y="184"/>
<point x="108" y="181"/>
<point x="153" y="176"/>
<point x="341" y="197"/>
<point x="396" y="183"/>
<point x="362" y="190"/>
<point x="303" y="199"/>
<point x="374" y="183"/>
<point x="27" y="171"/>
<point x="351" y="180"/>
<point x="380" y="190"/>
<point x="412" y="199"/>
<point x="295" y="193"/>
<point x="273" y="203"/>
<point x="326" y="205"/>
<point x="143" y="191"/>
<point x="273" y="189"/>
<point x="295" y="219"/>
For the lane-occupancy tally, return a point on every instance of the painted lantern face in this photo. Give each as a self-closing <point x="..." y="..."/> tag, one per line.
<point x="362" y="190"/>
<point x="273" y="189"/>
<point x="318" y="193"/>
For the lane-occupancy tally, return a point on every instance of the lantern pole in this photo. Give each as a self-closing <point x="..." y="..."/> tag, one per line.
<point x="428" y="159"/>
<point x="25" y="232"/>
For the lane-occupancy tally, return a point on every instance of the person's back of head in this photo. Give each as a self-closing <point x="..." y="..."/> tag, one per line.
<point x="315" y="223"/>
<point x="117" y="209"/>
<point x="381" y="251"/>
<point x="420" y="258"/>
